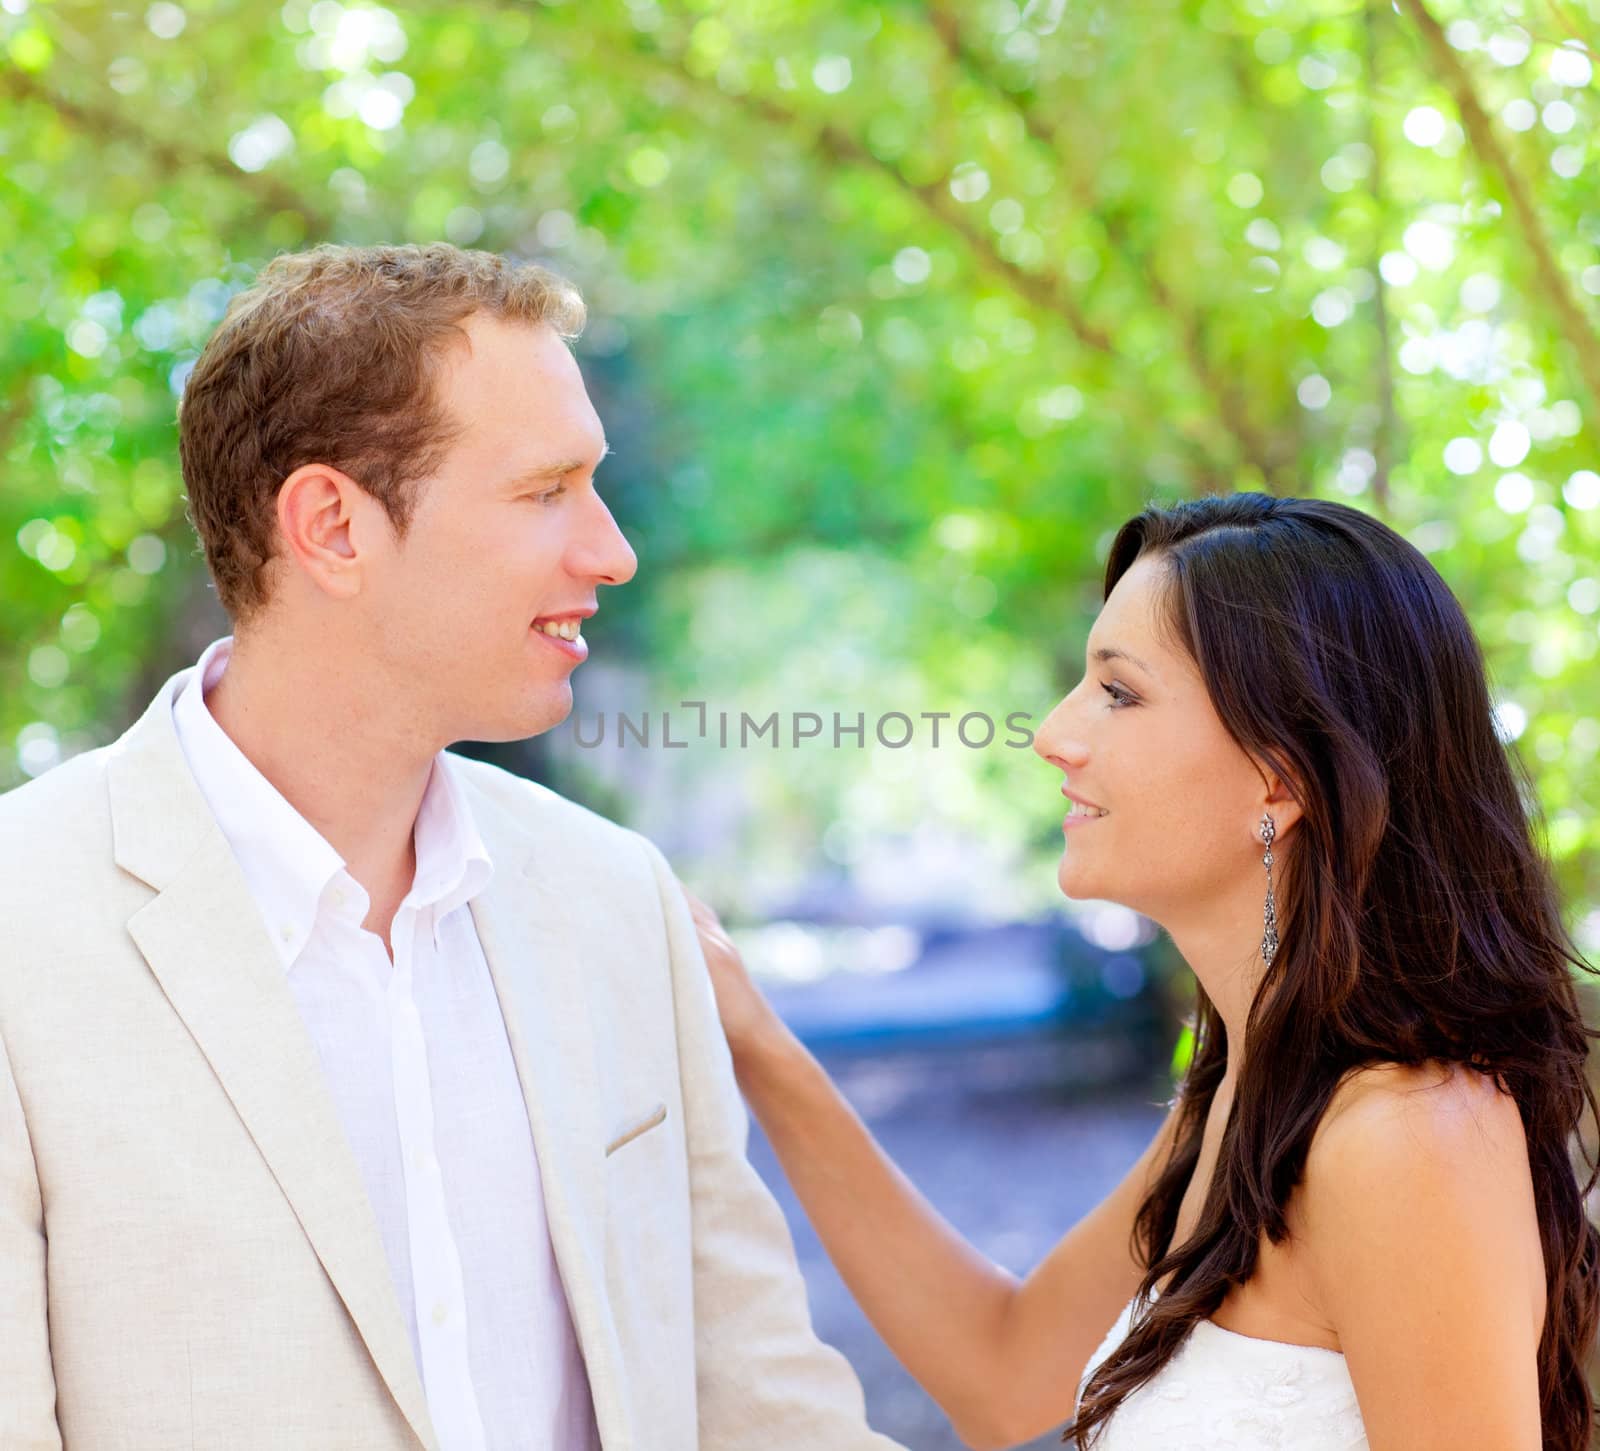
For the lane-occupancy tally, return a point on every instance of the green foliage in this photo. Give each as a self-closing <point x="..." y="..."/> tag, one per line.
<point x="1182" y="1053"/>
<point x="909" y="303"/>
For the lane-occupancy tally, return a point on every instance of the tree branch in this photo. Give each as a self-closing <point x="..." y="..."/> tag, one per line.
<point x="267" y="194"/>
<point x="1050" y="297"/>
<point x="17" y="407"/>
<point x="1566" y="22"/>
<point x="840" y="146"/>
<point x="1493" y="156"/>
<point x="1189" y="324"/>
<point x="1384" y="438"/>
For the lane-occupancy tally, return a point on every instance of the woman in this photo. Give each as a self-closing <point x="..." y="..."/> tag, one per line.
<point x="1359" y="1224"/>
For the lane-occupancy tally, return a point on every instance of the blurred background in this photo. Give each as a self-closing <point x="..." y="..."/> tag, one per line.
<point x="897" y="312"/>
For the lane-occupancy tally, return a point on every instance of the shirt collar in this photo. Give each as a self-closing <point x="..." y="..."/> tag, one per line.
<point x="453" y="864"/>
<point x="287" y="863"/>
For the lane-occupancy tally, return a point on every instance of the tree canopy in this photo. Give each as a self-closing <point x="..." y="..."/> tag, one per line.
<point x="898" y="310"/>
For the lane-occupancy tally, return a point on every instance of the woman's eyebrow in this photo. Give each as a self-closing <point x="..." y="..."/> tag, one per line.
<point x="1110" y="652"/>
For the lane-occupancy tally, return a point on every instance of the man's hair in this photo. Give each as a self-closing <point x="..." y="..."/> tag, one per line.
<point x="331" y="357"/>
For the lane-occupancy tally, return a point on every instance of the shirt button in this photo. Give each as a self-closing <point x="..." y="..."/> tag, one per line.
<point x="287" y="933"/>
<point x="441" y="1313"/>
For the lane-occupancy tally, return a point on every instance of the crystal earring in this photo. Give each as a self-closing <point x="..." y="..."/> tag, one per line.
<point x="1269" y="939"/>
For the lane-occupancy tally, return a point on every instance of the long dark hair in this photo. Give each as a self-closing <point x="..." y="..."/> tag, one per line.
<point x="1418" y="918"/>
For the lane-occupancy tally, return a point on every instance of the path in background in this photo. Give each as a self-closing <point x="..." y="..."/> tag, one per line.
<point x="1007" y="1149"/>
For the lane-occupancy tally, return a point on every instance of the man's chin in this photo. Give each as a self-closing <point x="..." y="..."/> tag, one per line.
<point x="551" y="709"/>
<point x="536" y="716"/>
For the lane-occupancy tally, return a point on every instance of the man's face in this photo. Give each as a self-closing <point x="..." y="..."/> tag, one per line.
<point x="507" y="532"/>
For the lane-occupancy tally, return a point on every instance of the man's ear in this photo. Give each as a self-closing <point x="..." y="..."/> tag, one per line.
<point x="316" y="507"/>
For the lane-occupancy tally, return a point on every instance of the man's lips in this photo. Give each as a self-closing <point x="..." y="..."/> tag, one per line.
<point x="575" y="650"/>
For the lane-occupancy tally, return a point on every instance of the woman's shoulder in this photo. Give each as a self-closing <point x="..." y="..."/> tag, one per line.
<point x="1418" y="1228"/>
<point x="1405" y="1153"/>
<point x="1434" y="1105"/>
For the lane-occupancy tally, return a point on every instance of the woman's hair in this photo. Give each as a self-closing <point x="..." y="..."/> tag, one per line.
<point x="331" y="356"/>
<point x="1418" y="919"/>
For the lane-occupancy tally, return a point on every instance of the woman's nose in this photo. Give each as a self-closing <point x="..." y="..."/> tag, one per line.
<point x="1055" y="739"/>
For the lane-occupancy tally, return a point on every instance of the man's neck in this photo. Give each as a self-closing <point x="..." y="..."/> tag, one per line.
<point x="356" y="785"/>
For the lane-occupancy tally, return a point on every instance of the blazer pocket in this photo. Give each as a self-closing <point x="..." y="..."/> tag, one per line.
<point x="657" y="1115"/>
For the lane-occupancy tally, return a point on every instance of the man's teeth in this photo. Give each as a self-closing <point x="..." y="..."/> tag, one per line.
<point x="563" y="629"/>
<point x="1079" y="809"/>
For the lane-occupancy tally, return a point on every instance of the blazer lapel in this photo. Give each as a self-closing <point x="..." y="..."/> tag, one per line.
<point x="204" y="940"/>
<point x="533" y="939"/>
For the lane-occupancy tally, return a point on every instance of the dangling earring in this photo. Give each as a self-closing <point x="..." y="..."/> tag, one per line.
<point x="1269" y="940"/>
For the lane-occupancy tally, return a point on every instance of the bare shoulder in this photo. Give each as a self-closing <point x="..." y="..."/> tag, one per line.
<point x="1420" y="1238"/>
<point x="1435" y="1109"/>
<point x="1421" y="1168"/>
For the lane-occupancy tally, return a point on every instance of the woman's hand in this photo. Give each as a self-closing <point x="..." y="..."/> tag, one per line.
<point x="747" y="1017"/>
<point x="942" y="1306"/>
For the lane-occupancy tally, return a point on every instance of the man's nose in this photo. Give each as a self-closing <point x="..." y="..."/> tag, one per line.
<point x="601" y="552"/>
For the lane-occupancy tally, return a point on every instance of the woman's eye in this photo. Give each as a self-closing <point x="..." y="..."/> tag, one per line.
<point x="1118" y="695"/>
<point x="550" y="494"/>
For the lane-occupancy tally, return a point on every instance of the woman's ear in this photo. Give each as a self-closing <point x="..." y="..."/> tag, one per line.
<point x="1279" y="802"/>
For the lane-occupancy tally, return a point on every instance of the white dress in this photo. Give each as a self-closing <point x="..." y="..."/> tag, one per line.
<point x="1224" y="1391"/>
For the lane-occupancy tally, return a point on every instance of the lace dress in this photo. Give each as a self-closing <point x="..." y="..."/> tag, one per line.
<point x="1224" y="1391"/>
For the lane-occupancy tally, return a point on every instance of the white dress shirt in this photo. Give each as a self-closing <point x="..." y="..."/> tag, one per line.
<point x="422" y="1077"/>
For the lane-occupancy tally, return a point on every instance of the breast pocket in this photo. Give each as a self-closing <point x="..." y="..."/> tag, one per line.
<point x="634" y="1126"/>
<point x="649" y="1233"/>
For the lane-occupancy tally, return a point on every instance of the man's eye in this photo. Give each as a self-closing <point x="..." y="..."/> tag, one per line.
<point x="550" y="494"/>
<point x="1118" y="695"/>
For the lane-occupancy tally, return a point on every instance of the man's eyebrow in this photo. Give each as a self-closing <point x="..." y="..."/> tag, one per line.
<point x="1110" y="652"/>
<point x="558" y="469"/>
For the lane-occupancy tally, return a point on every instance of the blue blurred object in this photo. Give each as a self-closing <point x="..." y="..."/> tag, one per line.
<point x="969" y="984"/>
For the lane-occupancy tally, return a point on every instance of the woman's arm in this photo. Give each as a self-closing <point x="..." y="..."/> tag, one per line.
<point x="1001" y="1357"/>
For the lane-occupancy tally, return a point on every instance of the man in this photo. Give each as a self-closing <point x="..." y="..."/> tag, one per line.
<point x="353" y="1093"/>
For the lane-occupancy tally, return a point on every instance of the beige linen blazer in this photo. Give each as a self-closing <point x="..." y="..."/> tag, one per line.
<point x="188" y="1258"/>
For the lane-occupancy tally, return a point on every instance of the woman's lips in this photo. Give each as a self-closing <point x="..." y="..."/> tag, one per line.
<point x="1087" y="811"/>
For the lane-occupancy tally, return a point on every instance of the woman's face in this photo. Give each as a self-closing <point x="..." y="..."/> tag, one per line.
<point x="1139" y="737"/>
